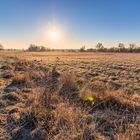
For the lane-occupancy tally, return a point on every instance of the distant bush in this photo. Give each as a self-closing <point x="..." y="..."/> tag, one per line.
<point x="35" y="48"/>
<point x="70" y="50"/>
<point x="91" y="50"/>
<point x="82" y="49"/>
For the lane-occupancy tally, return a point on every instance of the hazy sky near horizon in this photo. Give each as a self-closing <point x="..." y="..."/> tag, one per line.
<point x="76" y="22"/>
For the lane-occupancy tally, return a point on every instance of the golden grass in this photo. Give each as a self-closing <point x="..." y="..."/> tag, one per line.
<point x="57" y="105"/>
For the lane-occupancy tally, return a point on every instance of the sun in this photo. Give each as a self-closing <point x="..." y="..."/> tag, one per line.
<point x="54" y="34"/>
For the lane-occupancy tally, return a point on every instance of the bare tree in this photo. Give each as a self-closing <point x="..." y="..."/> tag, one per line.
<point x="82" y="49"/>
<point x="132" y="47"/>
<point x="1" y="47"/>
<point x="121" y="47"/>
<point x="100" y="47"/>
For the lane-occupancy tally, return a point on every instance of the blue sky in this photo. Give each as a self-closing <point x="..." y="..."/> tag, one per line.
<point x="84" y="22"/>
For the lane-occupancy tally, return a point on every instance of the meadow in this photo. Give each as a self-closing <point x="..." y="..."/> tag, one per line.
<point x="69" y="95"/>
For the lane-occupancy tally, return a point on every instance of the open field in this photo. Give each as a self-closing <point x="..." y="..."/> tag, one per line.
<point x="122" y="71"/>
<point x="73" y="96"/>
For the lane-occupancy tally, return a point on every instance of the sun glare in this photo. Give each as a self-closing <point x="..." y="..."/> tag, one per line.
<point x="54" y="34"/>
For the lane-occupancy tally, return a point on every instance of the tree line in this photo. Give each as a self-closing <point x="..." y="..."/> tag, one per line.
<point x="133" y="48"/>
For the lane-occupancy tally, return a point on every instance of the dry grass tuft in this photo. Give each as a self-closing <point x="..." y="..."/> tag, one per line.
<point x="21" y="79"/>
<point x="68" y="87"/>
<point x="11" y="97"/>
